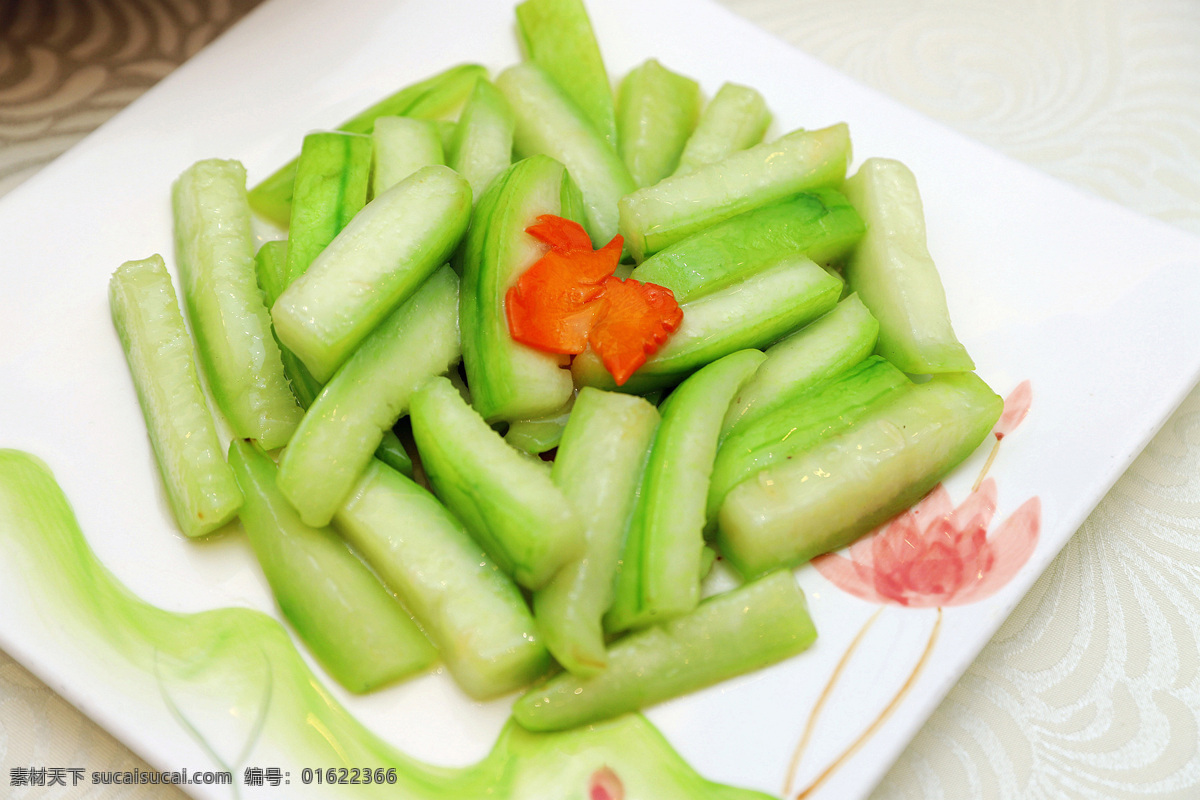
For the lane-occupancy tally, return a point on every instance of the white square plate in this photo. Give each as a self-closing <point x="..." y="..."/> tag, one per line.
<point x="1089" y="302"/>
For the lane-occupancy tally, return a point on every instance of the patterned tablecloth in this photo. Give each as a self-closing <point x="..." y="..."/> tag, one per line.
<point x="1092" y="688"/>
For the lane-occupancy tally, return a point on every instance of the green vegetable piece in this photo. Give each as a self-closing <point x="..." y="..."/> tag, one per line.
<point x="270" y="264"/>
<point x="344" y="427"/>
<point x="447" y="130"/>
<point x="455" y="376"/>
<point x="752" y="314"/>
<point x="708" y="557"/>
<point x="557" y="36"/>
<point x="270" y="268"/>
<point x="548" y="122"/>
<point x="657" y="216"/>
<point x="332" y="177"/>
<point x="825" y="410"/>
<point x="483" y="140"/>
<point x="391" y="451"/>
<point x="506" y="500"/>
<point x="654" y="396"/>
<point x="402" y="146"/>
<point x="384" y="255"/>
<point x="657" y="111"/>
<point x="540" y="434"/>
<point x="473" y="612"/>
<point x="432" y="98"/>
<point x="214" y="248"/>
<point x="821" y="225"/>
<point x="846" y="485"/>
<point x="359" y="633"/>
<point x="729" y="634"/>
<point x="811" y="355"/>
<point x="509" y="380"/>
<point x="735" y="119"/>
<point x="598" y="467"/>
<point x="199" y="484"/>
<point x="661" y="563"/>
<point x="893" y="273"/>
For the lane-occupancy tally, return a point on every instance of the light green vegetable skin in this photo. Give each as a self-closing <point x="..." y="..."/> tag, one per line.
<point x="335" y="440"/>
<point x="432" y="98"/>
<point x="838" y="490"/>
<point x="660" y="570"/>
<point x="402" y="145"/>
<point x="482" y="146"/>
<point x="200" y="486"/>
<point x="598" y="467"/>
<point x="821" y="225"/>
<point x="354" y="627"/>
<point x="376" y="262"/>
<point x="214" y="250"/>
<point x="657" y="111"/>
<point x="735" y="119"/>
<point x="793" y="428"/>
<point x="895" y="276"/>
<point x="657" y="216"/>
<point x="474" y="614"/>
<point x="507" y="501"/>
<point x="738" y="631"/>
<point x="332" y="178"/>
<point x="557" y="36"/>
<point x="816" y="352"/>
<point x="549" y="123"/>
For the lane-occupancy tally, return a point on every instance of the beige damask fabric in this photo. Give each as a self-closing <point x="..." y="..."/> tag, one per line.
<point x="1092" y="688"/>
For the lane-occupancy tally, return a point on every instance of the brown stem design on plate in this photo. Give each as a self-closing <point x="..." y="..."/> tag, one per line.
<point x="883" y="715"/>
<point x="828" y="690"/>
<point x="987" y="465"/>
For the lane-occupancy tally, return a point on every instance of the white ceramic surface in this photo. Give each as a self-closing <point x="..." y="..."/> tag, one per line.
<point x="1089" y="302"/>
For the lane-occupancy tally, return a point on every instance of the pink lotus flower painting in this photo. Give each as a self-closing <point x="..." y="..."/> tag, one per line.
<point x="937" y="555"/>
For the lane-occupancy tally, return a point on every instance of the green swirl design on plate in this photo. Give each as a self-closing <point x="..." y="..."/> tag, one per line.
<point x="243" y="661"/>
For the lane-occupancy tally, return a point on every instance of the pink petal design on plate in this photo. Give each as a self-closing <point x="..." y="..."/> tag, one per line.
<point x="605" y="785"/>
<point x="936" y="554"/>
<point x="935" y="504"/>
<point x="910" y="524"/>
<point x="848" y="576"/>
<point x="978" y="509"/>
<point x="1012" y="544"/>
<point x="1016" y="407"/>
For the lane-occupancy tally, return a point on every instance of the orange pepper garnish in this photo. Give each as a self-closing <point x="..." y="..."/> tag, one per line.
<point x="570" y="298"/>
<point x="637" y="319"/>
<point x="551" y="306"/>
